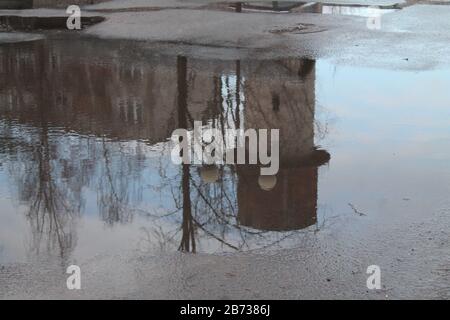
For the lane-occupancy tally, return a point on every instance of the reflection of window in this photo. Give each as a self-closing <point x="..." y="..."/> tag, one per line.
<point x="275" y="102"/>
<point x="130" y="108"/>
<point x="233" y="99"/>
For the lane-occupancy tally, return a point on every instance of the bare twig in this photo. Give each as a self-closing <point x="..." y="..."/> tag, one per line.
<point x="356" y="210"/>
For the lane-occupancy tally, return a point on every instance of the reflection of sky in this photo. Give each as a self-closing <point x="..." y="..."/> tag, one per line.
<point x="13" y="230"/>
<point x="389" y="139"/>
<point x="151" y="199"/>
<point x="149" y="178"/>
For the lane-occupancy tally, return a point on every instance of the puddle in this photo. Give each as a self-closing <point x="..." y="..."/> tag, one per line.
<point x="30" y="23"/>
<point x="313" y="7"/>
<point x="29" y="4"/>
<point x="275" y="6"/>
<point x="85" y="162"/>
<point x="361" y="11"/>
<point x="15" y="20"/>
<point x="12" y="18"/>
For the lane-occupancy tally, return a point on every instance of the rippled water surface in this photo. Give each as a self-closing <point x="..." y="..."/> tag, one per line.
<point x="85" y="164"/>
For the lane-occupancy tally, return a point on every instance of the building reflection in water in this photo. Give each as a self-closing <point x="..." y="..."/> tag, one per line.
<point x="283" y="100"/>
<point x="83" y="120"/>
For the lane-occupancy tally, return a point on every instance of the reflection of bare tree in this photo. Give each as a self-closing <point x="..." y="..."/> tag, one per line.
<point x="218" y="208"/>
<point x="43" y="182"/>
<point x="114" y="186"/>
<point x="106" y="106"/>
<point x="51" y="212"/>
<point x="188" y="233"/>
<point x="50" y="168"/>
<point x="211" y="210"/>
<point x="52" y="205"/>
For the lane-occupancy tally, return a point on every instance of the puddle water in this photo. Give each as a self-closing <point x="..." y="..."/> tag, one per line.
<point x="85" y="163"/>
<point x="251" y="6"/>
<point x="312" y="7"/>
<point x="28" y="4"/>
<point x="360" y="11"/>
<point x="274" y="6"/>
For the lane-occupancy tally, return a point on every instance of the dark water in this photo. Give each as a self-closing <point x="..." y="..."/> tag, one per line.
<point x="28" y="4"/>
<point x="85" y="162"/>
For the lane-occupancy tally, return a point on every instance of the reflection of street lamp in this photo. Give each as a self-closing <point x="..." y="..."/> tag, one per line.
<point x="267" y="183"/>
<point x="16" y="4"/>
<point x="209" y="174"/>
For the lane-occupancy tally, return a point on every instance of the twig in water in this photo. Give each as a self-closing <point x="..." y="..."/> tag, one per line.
<point x="356" y="210"/>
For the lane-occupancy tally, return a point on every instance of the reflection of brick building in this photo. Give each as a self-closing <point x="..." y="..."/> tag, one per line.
<point x="116" y="91"/>
<point x="97" y="88"/>
<point x="281" y="95"/>
<point x="290" y="205"/>
<point x="284" y="100"/>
